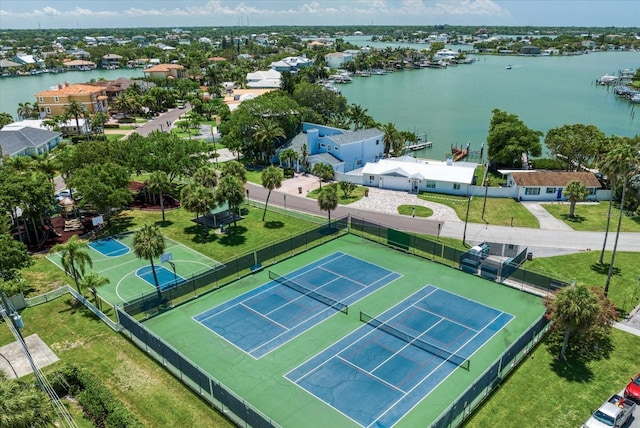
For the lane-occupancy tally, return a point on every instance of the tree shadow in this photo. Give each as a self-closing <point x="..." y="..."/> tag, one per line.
<point x="235" y="237"/>
<point x="119" y="222"/>
<point x="572" y="370"/>
<point x="603" y="269"/>
<point x="200" y="234"/>
<point x="575" y="219"/>
<point x="165" y="223"/>
<point x="273" y="225"/>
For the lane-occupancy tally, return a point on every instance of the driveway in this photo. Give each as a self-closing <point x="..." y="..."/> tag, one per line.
<point x="546" y="220"/>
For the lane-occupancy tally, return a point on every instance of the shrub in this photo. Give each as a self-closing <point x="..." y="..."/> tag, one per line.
<point x="99" y="403"/>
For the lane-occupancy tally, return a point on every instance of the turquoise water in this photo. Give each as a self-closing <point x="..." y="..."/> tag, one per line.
<point x="453" y="106"/>
<point x="21" y="89"/>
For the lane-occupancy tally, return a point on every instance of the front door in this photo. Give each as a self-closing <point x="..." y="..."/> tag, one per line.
<point x="559" y="196"/>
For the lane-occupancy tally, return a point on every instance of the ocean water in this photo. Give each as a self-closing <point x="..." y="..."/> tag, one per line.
<point x="453" y="106"/>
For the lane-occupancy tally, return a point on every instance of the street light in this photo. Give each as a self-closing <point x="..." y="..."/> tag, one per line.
<point x="284" y="197"/>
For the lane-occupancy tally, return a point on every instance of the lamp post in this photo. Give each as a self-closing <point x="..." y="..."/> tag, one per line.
<point x="466" y="219"/>
<point x="284" y="197"/>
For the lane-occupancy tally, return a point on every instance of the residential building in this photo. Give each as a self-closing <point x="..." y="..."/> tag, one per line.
<point x="17" y="139"/>
<point x="344" y="150"/>
<point x="549" y="185"/>
<point x="291" y="64"/>
<point x="28" y="60"/>
<point x="337" y="59"/>
<point x="419" y="175"/>
<point x="79" y="65"/>
<point x="530" y="50"/>
<point x="264" y="79"/>
<point x="111" y="61"/>
<point x="53" y="101"/>
<point x="170" y="71"/>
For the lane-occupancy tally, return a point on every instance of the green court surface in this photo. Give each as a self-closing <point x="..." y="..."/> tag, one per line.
<point x="261" y="381"/>
<point x="125" y="271"/>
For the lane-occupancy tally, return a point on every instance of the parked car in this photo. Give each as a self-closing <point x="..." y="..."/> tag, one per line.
<point x="632" y="391"/>
<point x="615" y="412"/>
<point x="65" y="193"/>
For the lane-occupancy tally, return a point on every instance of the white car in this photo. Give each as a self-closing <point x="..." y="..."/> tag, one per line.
<point x="64" y="193"/>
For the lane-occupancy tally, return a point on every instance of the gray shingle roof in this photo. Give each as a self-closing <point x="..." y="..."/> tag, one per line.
<point x="14" y="141"/>
<point x="324" y="158"/>
<point x="356" y="136"/>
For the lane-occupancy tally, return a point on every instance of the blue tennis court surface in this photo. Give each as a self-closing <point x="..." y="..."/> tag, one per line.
<point x="374" y="377"/>
<point x="109" y="247"/>
<point x="263" y="319"/>
<point x="166" y="278"/>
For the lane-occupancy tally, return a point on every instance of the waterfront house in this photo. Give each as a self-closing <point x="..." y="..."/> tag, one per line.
<point x="7" y="66"/>
<point x="164" y="71"/>
<point x="344" y="150"/>
<point x="17" y="139"/>
<point x="53" y="101"/>
<point x="549" y="185"/>
<point x="28" y="60"/>
<point x="79" y="65"/>
<point x="413" y="175"/>
<point x="337" y="59"/>
<point x="111" y="61"/>
<point x="530" y="50"/>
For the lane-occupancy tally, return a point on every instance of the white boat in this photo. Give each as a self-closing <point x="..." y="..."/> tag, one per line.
<point x="635" y="99"/>
<point x="445" y="54"/>
<point x="607" y="79"/>
<point x="509" y="67"/>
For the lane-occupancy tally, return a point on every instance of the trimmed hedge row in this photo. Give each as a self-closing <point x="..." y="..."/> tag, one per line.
<point x="100" y="405"/>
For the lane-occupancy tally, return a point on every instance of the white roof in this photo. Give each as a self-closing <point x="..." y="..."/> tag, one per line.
<point x="422" y="169"/>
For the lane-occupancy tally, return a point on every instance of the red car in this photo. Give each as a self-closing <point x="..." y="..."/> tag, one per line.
<point x="632" y="390"/>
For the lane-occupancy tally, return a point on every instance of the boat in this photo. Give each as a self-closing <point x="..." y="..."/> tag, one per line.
<point x="607" y="79"/>
<point x="509" y="67"/>
<point x="635" y="99"/>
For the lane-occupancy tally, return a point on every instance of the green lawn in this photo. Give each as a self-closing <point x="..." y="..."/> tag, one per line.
<point x="356" y="195"/>
<point x="542" y="392"/>
<point x="151" y="393"/>
<point x="498" y="211"/>
<point x="584" y="269"/>
<point x="593" y="217"/>
<point x="415" y="210"/>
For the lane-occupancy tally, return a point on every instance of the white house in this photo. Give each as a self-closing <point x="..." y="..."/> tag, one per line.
<point x="420" y="175"/>
<point x="264" y="79"/>
<point x="17" y="139"/>
<point x="549" y="185"/>
<point x="337" y="59"/>
<point x="291" y="63"/>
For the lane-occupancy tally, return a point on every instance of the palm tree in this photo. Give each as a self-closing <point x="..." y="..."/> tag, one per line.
<point x="158" y="182"/>
<point x="74" y="258"/>
<point x="234" y="168"/>
<point x="92" y="281"/>
<point x="328" y="200"/>
<point x="148" y="243"/>
<point x="5" y="119"/>
<point x="198" y="199"/>
<point x="391" y="135"/>
<point x="626" y="157"/>
<point x="289" y="155"/>
<point x="358" y="116"/>
<point x="324" y="171"/>
<point x="75" y="109"/>
<point x="265" y="136"/>
<point x="230" y="190"/>
<point x="271" y="179"/>
<point x="22" y="404"/>
<point x="25" y="110"/>
<point x="304" y="154"/>
<point x="206" y="175"/>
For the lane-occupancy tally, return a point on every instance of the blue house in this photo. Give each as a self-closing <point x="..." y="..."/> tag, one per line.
<point x="343" y="150"/>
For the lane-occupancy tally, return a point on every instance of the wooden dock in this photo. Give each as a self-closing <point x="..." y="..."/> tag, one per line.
<point x="419" y="146"/>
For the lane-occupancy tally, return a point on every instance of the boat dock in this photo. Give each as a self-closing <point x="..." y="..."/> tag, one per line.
<point x="419" y="146"/>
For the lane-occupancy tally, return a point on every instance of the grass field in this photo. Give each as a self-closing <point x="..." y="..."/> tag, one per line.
<point x="498" y="211"/>
<point x="259" y="380"/>
<point x="544" y="392"/>
<point x="593" y="217"/>
<point x="152" y="394"/>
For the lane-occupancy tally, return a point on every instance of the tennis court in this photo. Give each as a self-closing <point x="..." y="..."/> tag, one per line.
<point x="130" y="277"/>
<point x="361" y="368"/>
<point x="382" y="370"/>
<point x="269" y="316"/>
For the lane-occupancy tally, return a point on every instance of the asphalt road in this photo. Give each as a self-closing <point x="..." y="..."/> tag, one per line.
<point x="539" y="239"/>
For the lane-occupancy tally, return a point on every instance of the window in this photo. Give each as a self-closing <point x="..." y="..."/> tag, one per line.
<point x="48" y="109"/>
<point x="592" y="190"/>
<point x="40" y="99"/>
<point x="371" y="177"/>
<point x="377" y="142"/>
<point x="329" y="148"/>
<point x="430" y="184"/>
<point x="56" y="99"/>
<point x="359" y="162"/>
<point x="336" y="148"/>
<point x="456" y="186"/>
<point x="323" y="145"/>
<point x="532" y="191"/>
<point x="551" y="190"/>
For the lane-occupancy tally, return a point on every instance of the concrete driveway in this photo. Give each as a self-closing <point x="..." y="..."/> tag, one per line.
<point x="546" y="220"/>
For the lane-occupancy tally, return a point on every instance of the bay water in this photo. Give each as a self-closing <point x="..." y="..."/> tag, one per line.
<point x="453" y="106"/>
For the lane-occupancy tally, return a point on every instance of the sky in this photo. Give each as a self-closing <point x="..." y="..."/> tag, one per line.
<point x="33" y="14"/>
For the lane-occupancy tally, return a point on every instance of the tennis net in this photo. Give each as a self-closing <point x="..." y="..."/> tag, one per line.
<point x="308" y="292"/>
<point x="419" y="343"/>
